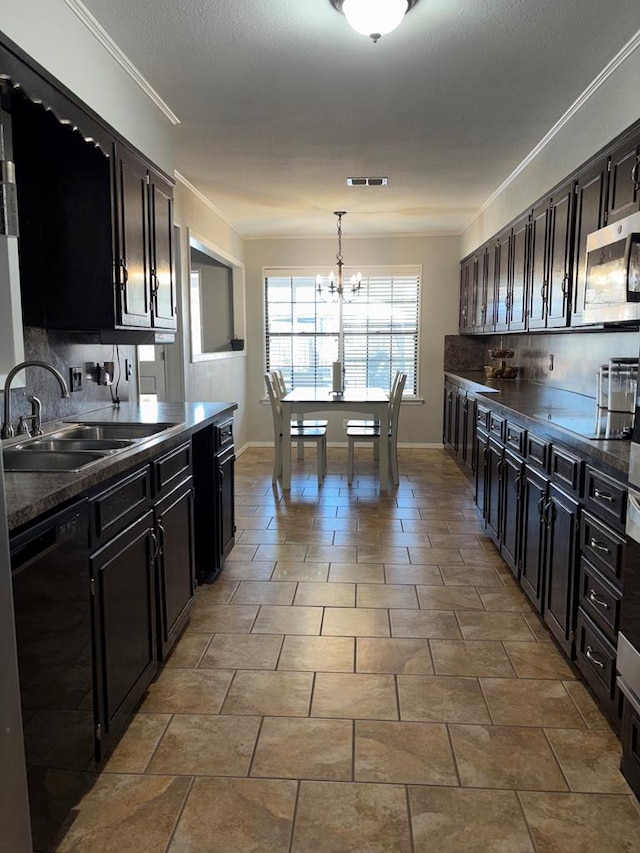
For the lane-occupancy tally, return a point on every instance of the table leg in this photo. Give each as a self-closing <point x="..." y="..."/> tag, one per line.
<point x="384" y="448"/>
<point x="286" y="446"/>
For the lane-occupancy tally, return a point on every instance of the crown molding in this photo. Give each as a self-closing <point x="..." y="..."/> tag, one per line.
<point x="193" y="189"/>
<point x="102" y="36"/>
<point x="609" y="69"/>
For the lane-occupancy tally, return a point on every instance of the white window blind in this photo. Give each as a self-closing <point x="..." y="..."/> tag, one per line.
<point x="380" y="329"/>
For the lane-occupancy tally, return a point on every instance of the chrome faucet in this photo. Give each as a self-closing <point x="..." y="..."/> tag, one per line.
<point x="7" y="428"/>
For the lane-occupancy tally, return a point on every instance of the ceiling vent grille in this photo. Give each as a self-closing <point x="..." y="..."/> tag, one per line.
<point x="367" y="182"/>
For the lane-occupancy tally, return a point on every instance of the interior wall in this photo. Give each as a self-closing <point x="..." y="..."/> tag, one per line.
<point x="52" y="34"/>
<point x="223" y="378"/>
<point x="608" y="112"/>
<point x="438" y="257"/>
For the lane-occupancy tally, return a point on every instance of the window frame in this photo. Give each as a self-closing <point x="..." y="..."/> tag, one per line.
<point x="373" y="271"/>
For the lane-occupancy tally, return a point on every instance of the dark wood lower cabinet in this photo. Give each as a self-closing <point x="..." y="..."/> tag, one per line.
<point x="225" y="473"/>
<point x="511" y="515"/>
<point x="561" y="518"/>
<point x="124" y="626"/>
<point x="534" y="495"/>
<point x="176" y="582"/>
<point x="493" y="494"/>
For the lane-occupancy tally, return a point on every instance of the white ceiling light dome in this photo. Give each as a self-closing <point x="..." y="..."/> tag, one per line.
<point x="374" y="18"/>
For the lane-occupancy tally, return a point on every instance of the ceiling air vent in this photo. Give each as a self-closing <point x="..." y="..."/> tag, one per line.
<point x="367" y="182"/>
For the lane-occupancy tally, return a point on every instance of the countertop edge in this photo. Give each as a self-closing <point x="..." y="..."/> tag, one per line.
<point x="33" y="494"/>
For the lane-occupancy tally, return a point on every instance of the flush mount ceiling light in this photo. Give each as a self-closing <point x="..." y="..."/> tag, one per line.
<point x="374" y="18"/>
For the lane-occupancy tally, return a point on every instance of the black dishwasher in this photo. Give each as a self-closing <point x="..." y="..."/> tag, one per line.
<point x="51" y="592"/>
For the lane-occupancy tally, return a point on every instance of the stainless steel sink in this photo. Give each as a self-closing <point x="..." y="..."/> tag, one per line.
<point x="66" y="445"/>
<point x="69" y="461"/>
<point x="101" y="432"/>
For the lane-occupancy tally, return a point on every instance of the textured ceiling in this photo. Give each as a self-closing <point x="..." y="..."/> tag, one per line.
<point x="280" y="101"/>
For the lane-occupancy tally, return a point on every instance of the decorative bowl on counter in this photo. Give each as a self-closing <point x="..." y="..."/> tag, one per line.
<point x="498" y="371"/>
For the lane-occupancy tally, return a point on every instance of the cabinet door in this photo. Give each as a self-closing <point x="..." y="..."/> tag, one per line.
<point x="480" y="300"/>
<point x="162" y="273"/>
<point x="493" y="492"/>
<point x="481" y="452"/>
<point x="561" y="566"/>
<point x="489" y="275"/>
<point x="503" y="281"/>
<point x="590" y="202"/>
<point x="512" y="469"/>
<point x="124" y="625"/>
<point x="624" y="186"/>
<point x="538" y="272"/>
<point x="560" y="257"/>
<point x="468" y="426"/>
<point x="520" y="285"/>
<point x="534" y="496"/>
<point x="448" y="425"/>
<point x="133" y="241"/>
<point x="465" y="287"/>
<point x="226" y="512"/>
<point x="175" y="565"/>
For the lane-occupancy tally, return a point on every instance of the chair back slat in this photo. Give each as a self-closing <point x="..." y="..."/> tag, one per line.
<point x="394" y="403"/>
<point x="274" y="400"/>
<point x="278" y="381"/>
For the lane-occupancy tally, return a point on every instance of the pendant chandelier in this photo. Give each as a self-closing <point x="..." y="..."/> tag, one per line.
<point x="374" y="18"/>
<point x="335" y="289"/>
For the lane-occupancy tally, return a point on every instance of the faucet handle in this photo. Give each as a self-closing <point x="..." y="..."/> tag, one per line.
<point x="23" y="424"/>
<point x="36" y="414"/>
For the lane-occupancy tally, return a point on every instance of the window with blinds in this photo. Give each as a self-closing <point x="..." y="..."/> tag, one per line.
<point x="380" y="329"/>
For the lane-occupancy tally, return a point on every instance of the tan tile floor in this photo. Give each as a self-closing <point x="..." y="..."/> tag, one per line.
<point x="364" y="677"/>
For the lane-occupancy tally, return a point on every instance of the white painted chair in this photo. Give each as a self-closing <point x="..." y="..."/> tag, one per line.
<point x="300" y="434"/>
<point x="299" y="422"/>
<point x="360" y="423"/>
<point x="371" y="434"/>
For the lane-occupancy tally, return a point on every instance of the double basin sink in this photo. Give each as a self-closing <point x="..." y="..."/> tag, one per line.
<point x="71" y="450"/>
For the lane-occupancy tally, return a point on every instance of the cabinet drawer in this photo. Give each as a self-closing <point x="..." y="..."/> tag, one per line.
<point x="224" y="434"/>
<point x="121" y="504"/>
<point x="595" y="657"/>
<point x="600" y="599"/>
<point x="515" y="437"/>
<point x="537" y="451"/>
<point x="170" y="469"/>
<point x="482" y="416"/>
<point x="602" y="546"/>
<point x="497" y="425"/>
<point x="607" y="498"/>
<point x="566" y="469"/>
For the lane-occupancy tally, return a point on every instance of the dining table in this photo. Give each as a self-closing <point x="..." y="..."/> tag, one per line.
<point x="372" y="402"/>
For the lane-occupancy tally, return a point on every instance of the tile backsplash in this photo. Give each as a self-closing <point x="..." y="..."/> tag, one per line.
<point x="62" y="351"/>
<point x="576" y="355"/>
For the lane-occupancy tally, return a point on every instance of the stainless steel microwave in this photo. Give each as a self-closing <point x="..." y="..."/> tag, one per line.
<point x="612" y="286"/>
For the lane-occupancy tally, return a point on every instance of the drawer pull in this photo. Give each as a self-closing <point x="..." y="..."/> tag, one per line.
<point x="599" y="601"/>
<point x="598" y="546"/>
<point x="603" y="496"/>
<point x="594" y="659"/>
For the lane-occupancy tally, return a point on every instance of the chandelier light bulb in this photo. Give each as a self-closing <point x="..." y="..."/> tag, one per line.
<point x="374" y="18"/>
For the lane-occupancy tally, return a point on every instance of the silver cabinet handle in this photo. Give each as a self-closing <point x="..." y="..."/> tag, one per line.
<point x="603" y="496"/>
<point x="593" y="659"/>
<point x="598" y="546"/>
<point x="599" y="601"/>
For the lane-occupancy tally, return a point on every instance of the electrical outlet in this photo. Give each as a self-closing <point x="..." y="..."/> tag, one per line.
<point x="551" y="360"/>
<point x="75" y="379"/>
<point x="128" y="369"/>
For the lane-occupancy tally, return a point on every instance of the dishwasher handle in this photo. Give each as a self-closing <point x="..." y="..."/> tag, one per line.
<point x="43" y="536"/>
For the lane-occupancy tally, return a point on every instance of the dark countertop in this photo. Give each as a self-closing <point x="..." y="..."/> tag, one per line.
<point x="551" y="413"/>
<point x="30" y="494"/>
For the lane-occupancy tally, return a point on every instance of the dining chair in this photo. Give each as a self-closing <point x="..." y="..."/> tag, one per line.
<point x="367" y="422"/>
<point x="299" y="422"/>
<point x="371" y="434"/>
<point x="300" y="434"/>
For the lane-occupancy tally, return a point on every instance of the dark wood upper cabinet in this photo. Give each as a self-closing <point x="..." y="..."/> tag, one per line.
<point x="96" y="252"/>
<point x="624" y="179"/>
<point x="468" y="278"/>
<point x="589" y="203"/>
<point x="489" y="284"/>
<point x="539" y="265"/>
<point x="503" y="280"/>
<point x="560" y="256"/>
<point x="520" y="281"/>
